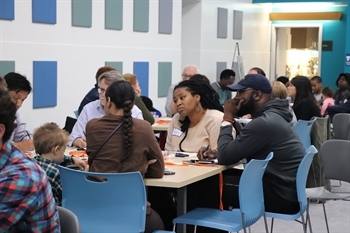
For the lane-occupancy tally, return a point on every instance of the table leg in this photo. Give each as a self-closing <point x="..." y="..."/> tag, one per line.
<point x="181" y="207"/>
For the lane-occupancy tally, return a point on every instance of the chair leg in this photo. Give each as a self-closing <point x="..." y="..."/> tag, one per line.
<point x="272" y="225"/>
<point x="195" y="229"/>
<point x="303" y="223"/>
<point x="265" y="222"/>
<point x="308" y="216"/>
<point x="325" y="217"/>
<point x="174" y="227"/>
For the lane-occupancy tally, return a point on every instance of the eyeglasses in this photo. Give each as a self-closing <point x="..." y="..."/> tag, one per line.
<point x="101" y="90"/>
<point x="186" y="76"/>
<point x="239" y="92"/>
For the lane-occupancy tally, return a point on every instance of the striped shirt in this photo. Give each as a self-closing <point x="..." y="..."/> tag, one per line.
<point x="26" y="203"/>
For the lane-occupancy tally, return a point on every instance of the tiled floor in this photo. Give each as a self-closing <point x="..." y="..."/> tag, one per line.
<point x="338" y="213"/>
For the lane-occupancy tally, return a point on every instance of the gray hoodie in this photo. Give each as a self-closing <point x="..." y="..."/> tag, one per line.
<point x="270" y="130"/>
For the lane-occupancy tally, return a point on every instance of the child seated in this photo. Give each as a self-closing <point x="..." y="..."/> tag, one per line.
<point x="328" y="100"/>
<point x="50" y="143"/>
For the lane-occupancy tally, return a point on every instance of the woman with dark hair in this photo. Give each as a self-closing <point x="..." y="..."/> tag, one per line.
<point x="197" y="123"/>
<point x="304" y="103"/>
<point x="132" y="147"/>
<point x="342" y="95"/>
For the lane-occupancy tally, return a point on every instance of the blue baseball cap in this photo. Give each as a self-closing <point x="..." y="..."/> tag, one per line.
<point x="255" y="81"/>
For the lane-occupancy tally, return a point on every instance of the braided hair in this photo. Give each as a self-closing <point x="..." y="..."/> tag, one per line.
<point x="122" y="95"/>
<point x="209" y="100"/>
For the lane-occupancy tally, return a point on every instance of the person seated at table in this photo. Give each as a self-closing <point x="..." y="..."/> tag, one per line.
<point x="270" y="130"/>
<point x="149" y="105"/>
<point x="227" y="77"/>
<point x="342" y="95"/>
<point x="132" y="79"/>
<point x="95" y="109"/>
<point x="50" y="143"/>
<point x="304" y="105"/>
<point x="256" y="70"/>
<point x="198" y="120"/>
<point x="26" y="202"/>
<point x="200" y="78"/>
<point x="93" y="95"/>
<point x="19" y="88"/>
<point x="132" y="147"/>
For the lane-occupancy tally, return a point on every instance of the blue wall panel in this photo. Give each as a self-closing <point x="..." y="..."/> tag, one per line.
<point x="44" y="11"/>
<point x="44" y="84"/>
<point x="7" y="9"/>
<point x="141" y="70"/>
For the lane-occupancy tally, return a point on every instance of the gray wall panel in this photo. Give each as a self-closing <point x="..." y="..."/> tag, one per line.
<point x="165" y="21"/>
<point x="222" y="22"/>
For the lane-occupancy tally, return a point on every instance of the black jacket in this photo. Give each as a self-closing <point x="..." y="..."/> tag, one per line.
<point x="271" y="130"/>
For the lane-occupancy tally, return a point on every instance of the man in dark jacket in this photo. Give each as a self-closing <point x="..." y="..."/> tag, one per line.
<point x="341" y="108"/>
<point x="270" y="130"/>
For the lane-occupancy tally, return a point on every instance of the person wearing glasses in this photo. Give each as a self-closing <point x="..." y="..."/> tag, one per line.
<point x="271" y="130"/>
<point x="187" y="73"/>
<point x="95" y="109"/>
<point x="19" y="88"/>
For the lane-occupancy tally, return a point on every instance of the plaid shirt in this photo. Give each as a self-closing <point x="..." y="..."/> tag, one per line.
<point x="53" y="175"/>
<point x="26" y="203"/>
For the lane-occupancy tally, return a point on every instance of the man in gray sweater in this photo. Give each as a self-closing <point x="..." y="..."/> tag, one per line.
<point x="270" y="130"/>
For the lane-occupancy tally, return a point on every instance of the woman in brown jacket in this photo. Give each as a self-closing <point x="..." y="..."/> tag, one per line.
<point x="132" y="147"/>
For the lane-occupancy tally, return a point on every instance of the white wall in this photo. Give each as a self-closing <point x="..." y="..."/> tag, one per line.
<point x="81" y="51"/>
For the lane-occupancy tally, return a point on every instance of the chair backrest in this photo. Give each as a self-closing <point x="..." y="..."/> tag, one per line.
<point x="251" y="197"/>
<point x="69" y="124"/>
<point x="302" y="174"/>
<point x="68" y="220"/>
<point x="341" y="126"/>
<point x="335" y="155"/>
<point x="303" y="129"/>
<point x="117" y="205"/>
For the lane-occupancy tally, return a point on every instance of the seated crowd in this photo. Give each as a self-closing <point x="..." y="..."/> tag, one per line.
<point x="114" y="117"/>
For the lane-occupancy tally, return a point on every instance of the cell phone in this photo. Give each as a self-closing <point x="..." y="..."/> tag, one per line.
<point x="168" y="172"/>
<point x="202" y="161"/>
<point x="182" y="155"/>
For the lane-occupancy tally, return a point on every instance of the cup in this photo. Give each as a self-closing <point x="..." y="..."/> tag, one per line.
<point x="170" y="152"/>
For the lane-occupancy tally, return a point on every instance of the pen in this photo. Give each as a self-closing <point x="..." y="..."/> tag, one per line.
<point x="208" y="147"/>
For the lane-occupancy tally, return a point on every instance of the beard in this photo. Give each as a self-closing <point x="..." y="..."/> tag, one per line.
<point x="247" y="108"/>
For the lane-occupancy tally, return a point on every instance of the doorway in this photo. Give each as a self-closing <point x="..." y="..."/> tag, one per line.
<point x="295" y="50"/>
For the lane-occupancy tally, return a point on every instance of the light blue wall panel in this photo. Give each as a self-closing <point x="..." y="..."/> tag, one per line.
<point x="82" y="13"/>
<point x="141" y="70"/>
<point x="7" y="9"/>
<point x="114" y="14"/>
<point x="165" y="18"/>
<point x="44" y="11"/>
<point x="164" y="78"/>
<point x="6" y="67"/>
<point x="237" y="25"/>
<point x="220" y="66"/>
<point x="141" y="15"/>
<point x="115" y="64"/>
<point x="44" y="84"/>
<point x="222" y="22"/>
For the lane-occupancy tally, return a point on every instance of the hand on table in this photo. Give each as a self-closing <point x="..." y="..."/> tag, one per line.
<point x="80" y="142"/>
<point x="204" y="153"/>
<point x="80" y="163"/>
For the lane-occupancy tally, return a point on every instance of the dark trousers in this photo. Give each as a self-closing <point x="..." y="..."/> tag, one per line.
<point x="153" y="222"/>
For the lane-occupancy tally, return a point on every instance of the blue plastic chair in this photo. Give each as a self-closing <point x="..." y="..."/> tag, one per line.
<point x="302" y="173"/>
<point x="117" y="205"/>
<point x="251" y="201"/>
<point x="303" y="129"/>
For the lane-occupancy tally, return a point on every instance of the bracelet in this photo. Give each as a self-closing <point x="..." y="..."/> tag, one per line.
<point x="231" y="121"/>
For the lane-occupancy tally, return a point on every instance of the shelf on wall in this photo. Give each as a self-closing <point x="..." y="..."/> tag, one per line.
<point x="305" y="15"/>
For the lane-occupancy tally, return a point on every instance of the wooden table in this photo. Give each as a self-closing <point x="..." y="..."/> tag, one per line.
<point x="185" y="175"/>
<point x="161" y="126"/>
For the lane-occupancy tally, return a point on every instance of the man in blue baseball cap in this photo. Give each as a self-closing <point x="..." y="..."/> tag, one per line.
<point x="270" y="130"/>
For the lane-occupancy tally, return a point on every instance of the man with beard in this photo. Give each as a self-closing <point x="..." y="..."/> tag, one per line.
<point x="270" y="130"/>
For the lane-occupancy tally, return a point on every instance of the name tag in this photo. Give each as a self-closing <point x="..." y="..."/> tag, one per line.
<point x="345" y="101"/>
<point x="176" y="132"/>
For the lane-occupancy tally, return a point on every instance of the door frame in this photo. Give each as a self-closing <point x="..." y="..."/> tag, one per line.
<point x="273" y="54"/>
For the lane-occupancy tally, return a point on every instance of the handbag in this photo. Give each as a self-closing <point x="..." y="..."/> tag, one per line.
<point x="91" y="158"/>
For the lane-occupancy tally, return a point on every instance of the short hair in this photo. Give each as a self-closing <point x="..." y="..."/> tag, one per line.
<point x="191" y="66"/>
<point x="3" y="82"/>
<point x="226" y="74"/>
<point x="327" y="91"/>
<point x="200" y="78"/>
<point x="346" y="76"/>
<point x="283" y="79"/>
<point x="259" y="71"/>
<point x="279" y="90"/>
<point x="101" y="70"/>
<point x="110" y="77"/>
<point x="7" y="113"/>
<point x="130" y="78"/>
<point x="49" y="136"/>
<point x="317" y="79"/>
<point x="17" y="82"/>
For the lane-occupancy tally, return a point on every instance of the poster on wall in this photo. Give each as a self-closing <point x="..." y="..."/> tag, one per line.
<point x="347" y="59"/>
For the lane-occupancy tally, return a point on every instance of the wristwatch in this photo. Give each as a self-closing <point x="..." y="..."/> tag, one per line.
<point x="226" y="123"/>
